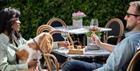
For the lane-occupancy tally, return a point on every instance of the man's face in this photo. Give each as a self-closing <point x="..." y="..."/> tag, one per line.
<point x="131" y="18"/>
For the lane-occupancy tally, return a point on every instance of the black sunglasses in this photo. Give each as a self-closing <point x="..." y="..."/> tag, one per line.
<point x="128" y="14"/>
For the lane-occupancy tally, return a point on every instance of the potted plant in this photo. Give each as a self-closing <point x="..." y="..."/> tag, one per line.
<point x="77" y="18"/>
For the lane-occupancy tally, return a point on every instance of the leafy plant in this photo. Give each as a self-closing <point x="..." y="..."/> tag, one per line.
<point x="99" y="34"/>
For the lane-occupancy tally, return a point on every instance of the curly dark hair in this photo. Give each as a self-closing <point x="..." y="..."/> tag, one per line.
<point x="7" y="16"/>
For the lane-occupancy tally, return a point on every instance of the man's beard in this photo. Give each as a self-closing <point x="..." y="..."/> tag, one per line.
<point x="128" y="28"/>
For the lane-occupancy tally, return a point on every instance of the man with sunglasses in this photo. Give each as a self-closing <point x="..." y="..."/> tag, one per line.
<point x="122" y="53"/>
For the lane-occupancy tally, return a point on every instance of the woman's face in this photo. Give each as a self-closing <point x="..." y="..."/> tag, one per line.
<point x="16" y="25"/>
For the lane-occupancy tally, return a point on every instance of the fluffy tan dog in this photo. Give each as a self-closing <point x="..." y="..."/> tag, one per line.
<point x="34" y="47"/>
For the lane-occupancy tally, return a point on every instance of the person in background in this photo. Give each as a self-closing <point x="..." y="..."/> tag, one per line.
<point x="121" y="53"/>
<point x="11" y="40"/>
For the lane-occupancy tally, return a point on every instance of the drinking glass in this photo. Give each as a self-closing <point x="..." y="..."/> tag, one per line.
<point x="89" y="41"/>
<point x="94" y="28"/>
<point x="65" y="33"/>
<point x="94" y="23"/>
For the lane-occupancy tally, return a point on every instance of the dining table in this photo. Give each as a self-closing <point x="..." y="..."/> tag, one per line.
<point x="81" y="30"/>
<point x="80" y="34"/>
<point x="88" y="54"/>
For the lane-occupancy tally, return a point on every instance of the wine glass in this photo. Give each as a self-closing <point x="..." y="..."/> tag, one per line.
<point x="94" y="25"/>
<point x="65" y="33"/>
<point x="93" y="28"/>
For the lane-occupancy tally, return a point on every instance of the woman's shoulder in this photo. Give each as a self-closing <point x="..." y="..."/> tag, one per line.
<point x="22" y="40"/>
<point x="2" y="46"/>
<point x="4" y="39"/>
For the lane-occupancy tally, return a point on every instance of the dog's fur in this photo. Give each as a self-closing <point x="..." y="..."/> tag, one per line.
<point x="33" y="48"/>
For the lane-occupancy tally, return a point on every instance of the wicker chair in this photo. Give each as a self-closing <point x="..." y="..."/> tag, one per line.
<point x="56" y="22"/>
<point x="114" y="36"/>
<point x="135" y="62"/>
<point x="56" y="33"/>
<point x="44" y="28"/>
<point x="61" y="58"/>
<point x="51" y="62"/>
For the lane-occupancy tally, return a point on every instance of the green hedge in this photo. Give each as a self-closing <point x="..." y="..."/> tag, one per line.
<point x="37" y="12"/>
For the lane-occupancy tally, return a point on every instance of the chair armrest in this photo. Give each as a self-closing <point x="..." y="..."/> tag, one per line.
<point x="113" y="37"/>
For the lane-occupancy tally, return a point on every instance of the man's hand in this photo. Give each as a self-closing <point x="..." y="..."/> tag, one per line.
<point x="96" y="40"/>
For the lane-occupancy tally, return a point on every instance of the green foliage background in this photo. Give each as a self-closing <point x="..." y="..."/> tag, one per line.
<point x="37" y="12"/>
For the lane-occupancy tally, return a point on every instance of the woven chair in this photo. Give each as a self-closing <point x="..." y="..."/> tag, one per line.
<point x="114" y="36"/>
<point x="56" y="22"/>
<point x="135" y="62"/>
<point x="52" y="63"/>
<point x="61" y="58"/>
<point x="56" y="33"/>
<point x="44" y="28"/>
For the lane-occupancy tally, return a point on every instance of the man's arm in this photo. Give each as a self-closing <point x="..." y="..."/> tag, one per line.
<point x="107" y="46"/>
<point x="97" y="41"/>
<point x="121" y="55"/>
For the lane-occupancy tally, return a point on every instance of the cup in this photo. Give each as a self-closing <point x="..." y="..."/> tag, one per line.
<point x="94" y="23"/>
<point x="91" y="45"/>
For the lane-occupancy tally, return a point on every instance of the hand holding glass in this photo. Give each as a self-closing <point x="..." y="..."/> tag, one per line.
<point x="93" y="42"/>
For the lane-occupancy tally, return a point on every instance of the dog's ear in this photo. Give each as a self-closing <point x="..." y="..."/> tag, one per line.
<point x="42" y="36"/>
<point x="22" y="54"/>
<point x="33" y="45"/>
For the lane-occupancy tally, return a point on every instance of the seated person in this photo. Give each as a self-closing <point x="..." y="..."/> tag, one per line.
<point x="122" y="53"/>
<point x="11" y="41"/>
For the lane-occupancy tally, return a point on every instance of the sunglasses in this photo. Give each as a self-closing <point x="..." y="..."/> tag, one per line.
<point x="129" y="14"/>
